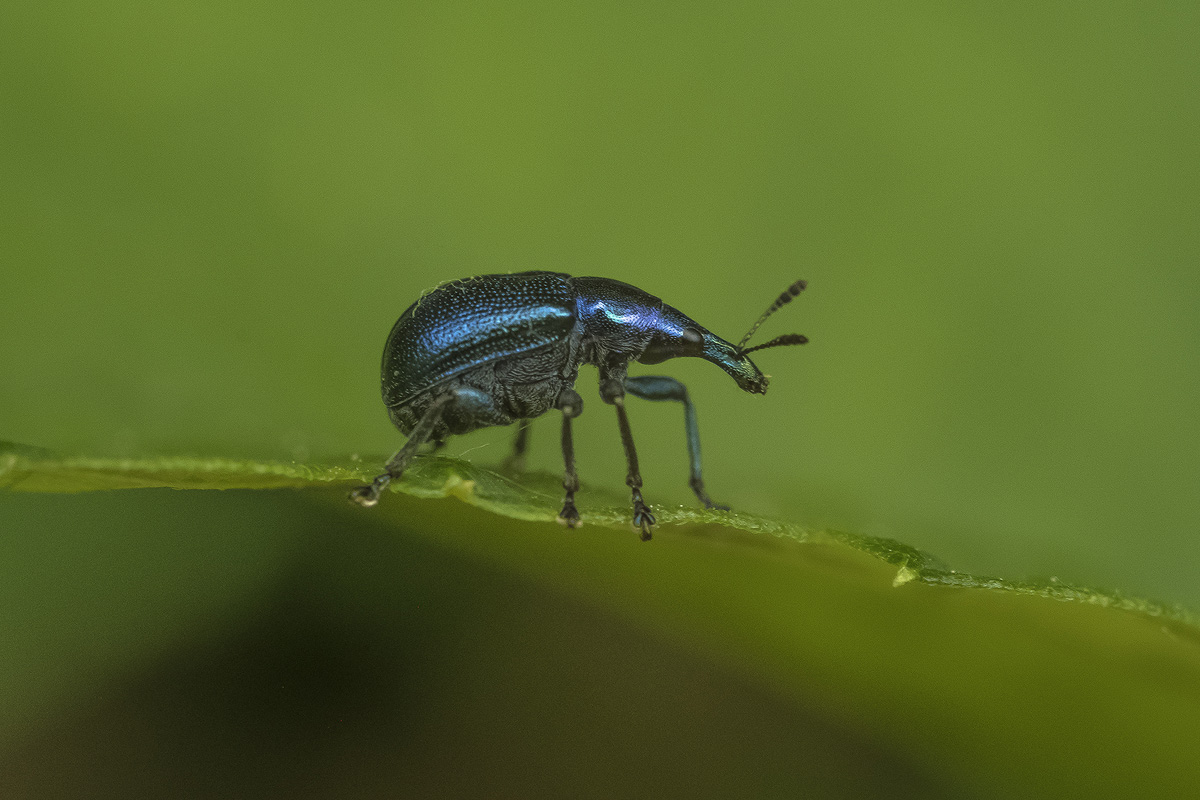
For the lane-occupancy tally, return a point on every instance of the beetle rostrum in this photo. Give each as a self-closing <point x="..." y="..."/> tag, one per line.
<point x="498" y="349"/>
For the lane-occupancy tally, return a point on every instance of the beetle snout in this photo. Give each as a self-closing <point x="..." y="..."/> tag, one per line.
<point x="756" y="386"/>
<point x="750" y="379"/>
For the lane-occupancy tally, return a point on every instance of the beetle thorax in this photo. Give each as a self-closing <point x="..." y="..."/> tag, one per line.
<point x="616" y="321"/>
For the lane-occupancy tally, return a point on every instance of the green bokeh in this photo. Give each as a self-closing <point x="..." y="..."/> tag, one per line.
<point x="286" y="644"/>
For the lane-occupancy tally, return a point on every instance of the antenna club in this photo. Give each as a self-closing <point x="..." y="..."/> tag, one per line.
<point x="779" y="341"/>
<point x="792" y="291"/>
<point x="783" y="299"/>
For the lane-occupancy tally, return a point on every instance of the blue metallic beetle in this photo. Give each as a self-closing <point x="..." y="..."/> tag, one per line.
<point x="496" y="349"/>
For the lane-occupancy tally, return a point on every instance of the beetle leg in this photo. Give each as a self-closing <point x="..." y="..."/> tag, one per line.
<point x="515" y="461"/>
<point x="612" y="391"/>
<point x="660" y="387"/>
<point x="368" y="495"/>
<point x="571" y="405"/>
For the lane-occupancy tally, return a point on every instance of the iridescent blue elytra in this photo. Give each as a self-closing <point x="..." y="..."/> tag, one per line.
<point x="498" y="349"/>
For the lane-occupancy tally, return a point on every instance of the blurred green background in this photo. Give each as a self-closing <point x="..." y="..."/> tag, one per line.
<point x="211" y="214"/>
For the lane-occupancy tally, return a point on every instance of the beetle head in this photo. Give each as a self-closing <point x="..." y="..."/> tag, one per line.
<point x="677" y="335"/>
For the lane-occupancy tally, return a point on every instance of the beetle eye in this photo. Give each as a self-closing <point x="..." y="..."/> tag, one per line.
<point x="693" y="336"/>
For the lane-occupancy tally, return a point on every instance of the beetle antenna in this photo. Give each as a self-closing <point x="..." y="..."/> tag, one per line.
<point x="778" y="341"/>
<point x="781" y="301"/>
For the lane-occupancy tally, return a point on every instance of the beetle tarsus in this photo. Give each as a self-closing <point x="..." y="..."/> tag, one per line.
<point x="367" y="496"/>
<point x="643" y="517"/>
<point x="697" y="485"/>
<point x="569" y="516"/>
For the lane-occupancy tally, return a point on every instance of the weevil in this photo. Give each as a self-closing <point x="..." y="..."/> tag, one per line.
<point x="497" y="349"/>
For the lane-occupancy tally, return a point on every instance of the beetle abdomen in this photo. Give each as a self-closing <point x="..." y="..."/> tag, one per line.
<point x="472" y="322"/>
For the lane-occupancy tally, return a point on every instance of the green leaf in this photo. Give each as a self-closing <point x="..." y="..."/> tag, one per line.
<point x="534" y="498"/>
